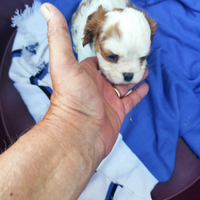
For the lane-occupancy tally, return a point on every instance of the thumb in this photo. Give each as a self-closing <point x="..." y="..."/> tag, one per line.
<point x="59" y="39"/>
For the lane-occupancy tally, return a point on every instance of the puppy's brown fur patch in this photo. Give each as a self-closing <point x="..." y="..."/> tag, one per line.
<point x="105" y="53"/>
<point x="112" y="30"/>
<point x="93" y="26"/>
<point x="93" y="29"/>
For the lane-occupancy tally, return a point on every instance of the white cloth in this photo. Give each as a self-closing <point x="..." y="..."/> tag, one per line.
<point x="123" y="168"/>
<point x="31" y="32"/>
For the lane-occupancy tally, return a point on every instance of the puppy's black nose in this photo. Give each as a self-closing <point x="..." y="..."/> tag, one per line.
<point x="128" y="76"/>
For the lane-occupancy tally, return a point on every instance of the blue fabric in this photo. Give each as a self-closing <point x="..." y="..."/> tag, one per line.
<point x="172" y="107"/>
<point x="109" y="191"/>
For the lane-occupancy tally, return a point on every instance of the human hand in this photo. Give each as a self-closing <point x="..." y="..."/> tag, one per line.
<point x="59" y="155"/>
<point x="81" y="96"/>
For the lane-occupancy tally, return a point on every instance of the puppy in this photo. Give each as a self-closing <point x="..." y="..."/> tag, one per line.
<point x="118" y="33"/>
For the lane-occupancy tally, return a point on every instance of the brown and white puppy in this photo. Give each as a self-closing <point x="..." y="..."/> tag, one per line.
<point x="118" y="33"/>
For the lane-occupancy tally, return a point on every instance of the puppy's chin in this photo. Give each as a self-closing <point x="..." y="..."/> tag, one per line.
<point x="117" y="78"/>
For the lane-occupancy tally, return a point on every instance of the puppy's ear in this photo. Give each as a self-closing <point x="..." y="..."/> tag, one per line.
<point x="93" y="26"/>
<point x="153" y="26"/>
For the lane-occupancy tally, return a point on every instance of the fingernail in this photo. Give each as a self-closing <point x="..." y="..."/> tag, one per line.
<point x="45" y="12"/>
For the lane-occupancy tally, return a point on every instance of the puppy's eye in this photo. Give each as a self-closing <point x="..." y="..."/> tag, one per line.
<point x="113" y="58"/>
<point x="142" y="59"/>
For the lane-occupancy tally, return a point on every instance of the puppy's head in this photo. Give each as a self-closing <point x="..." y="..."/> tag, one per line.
<point x="122" y="40"/>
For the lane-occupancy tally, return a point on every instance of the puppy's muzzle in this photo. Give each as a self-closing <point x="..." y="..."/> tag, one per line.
<point x="128" y="76"/>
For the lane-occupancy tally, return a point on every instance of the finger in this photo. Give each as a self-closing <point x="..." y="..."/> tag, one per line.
<point x="124" y="89"/>
<point x="135" y="97"/>
<point x="59" y="40"/>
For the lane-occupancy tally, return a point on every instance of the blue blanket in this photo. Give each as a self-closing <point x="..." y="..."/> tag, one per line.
<point x="172" y="107"/>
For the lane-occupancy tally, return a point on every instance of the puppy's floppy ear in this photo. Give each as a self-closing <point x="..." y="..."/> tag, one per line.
<point x="93" y="26"/>
<point x="153" y="26"/>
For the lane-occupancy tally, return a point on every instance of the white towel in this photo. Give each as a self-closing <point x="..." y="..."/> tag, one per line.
<point x="30" y="56"/>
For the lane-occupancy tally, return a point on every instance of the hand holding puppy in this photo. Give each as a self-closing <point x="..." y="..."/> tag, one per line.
<point x="59" y="155"/>
<point x="81" y="94"/>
